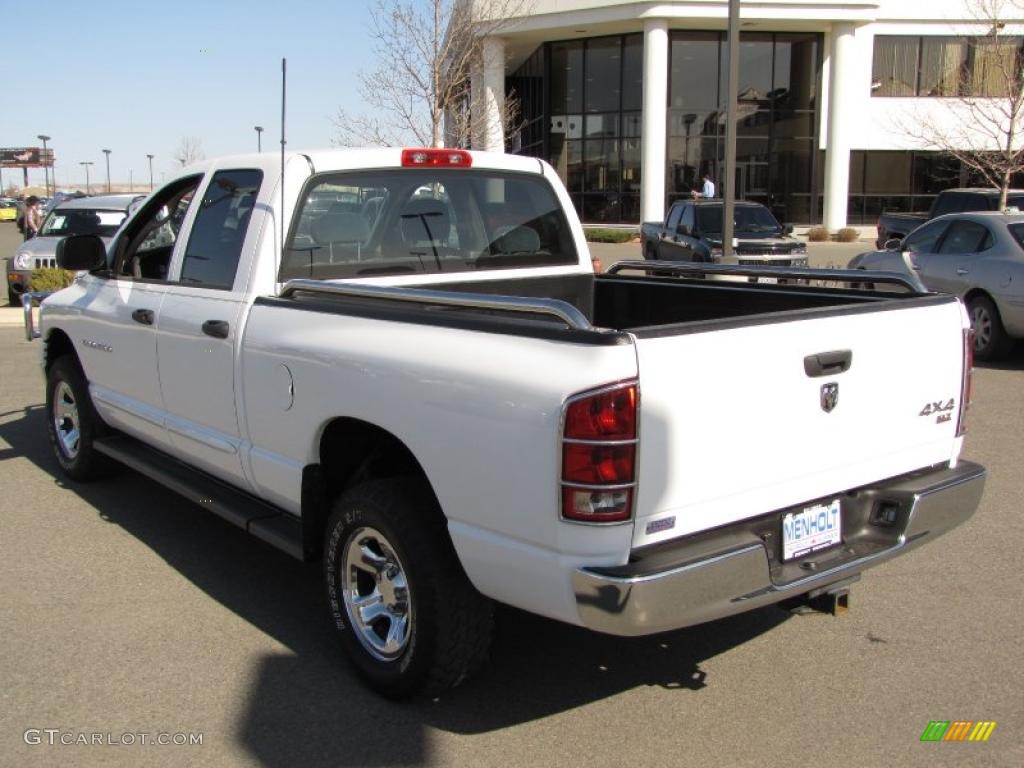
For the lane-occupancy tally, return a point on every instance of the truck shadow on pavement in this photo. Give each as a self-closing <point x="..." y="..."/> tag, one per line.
<point x="307" y="708"/>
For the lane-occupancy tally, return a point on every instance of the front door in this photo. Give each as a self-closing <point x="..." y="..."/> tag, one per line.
<point x="118" y="345"/>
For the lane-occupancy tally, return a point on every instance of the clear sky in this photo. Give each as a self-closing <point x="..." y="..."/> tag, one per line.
<point x="134" y="77"/>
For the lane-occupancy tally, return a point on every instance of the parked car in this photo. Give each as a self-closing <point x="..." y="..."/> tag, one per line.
<point x="692" y="231"/>
<point x="896" y="226"/>
<point x="76" y="216"/>
<point x="977" y="256"/>
<point x="8" y="210"/>
<point x="446" y="404"/>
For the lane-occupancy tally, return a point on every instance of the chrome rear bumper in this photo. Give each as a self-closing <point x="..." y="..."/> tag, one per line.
<point x="691" y="581"/>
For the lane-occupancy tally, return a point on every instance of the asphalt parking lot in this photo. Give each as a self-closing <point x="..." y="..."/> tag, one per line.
<point x="125" y="609"/>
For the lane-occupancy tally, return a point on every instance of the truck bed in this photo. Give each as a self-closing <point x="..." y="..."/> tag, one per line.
<point x="631" y="303"/>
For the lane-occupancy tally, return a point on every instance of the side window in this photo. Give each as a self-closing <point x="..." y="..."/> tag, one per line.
<point x="951" y="202"/>
<point x="673" y="217"/>
<point x="144" y="248"/>
<point x="964" y="237"/>
<point x="215" y="243"/>
<point x="687" y="219"/>
<point x="923" y="239"/>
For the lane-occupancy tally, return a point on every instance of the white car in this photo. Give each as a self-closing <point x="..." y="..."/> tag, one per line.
<point x="402" y="362"/>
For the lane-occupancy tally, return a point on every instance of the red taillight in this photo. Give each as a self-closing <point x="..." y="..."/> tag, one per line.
<point x="966" y="382"/>
<point x="605" y="416"/>
<point x="599" y="455"/>
<point x="436" y="158"/>
<point x="585" y="463"/>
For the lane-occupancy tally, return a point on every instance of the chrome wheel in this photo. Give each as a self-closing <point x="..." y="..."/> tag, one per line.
<point x="65" y="420"/>
<point x="981" y="324"/>
<point x="376" y="594"/>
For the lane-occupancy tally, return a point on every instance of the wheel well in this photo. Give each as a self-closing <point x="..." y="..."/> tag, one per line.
<point x="352" y="451"/>
<point x="974" y="293"/>
<point x="58" y="344"/>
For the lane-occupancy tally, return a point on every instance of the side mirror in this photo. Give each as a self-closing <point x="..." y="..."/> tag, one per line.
<point x="80" y="252"/>
<point x="787" y="229"/>
<point x="893" y="244"/>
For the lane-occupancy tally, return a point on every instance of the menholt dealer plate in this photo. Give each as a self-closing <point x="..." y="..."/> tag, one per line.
<point x="812" y="529"/>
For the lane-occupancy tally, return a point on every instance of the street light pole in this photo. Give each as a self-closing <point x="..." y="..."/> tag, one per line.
<point x="150" y="172"/>
<point x="86" y="164"/>
<point x="131" y="180"/>
<point x="46" y="169"/>
<point x="259" y="137"/>
<point x="107" y="153"/>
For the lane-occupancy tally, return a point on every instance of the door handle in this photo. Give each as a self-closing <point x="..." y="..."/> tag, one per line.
<point x="144" y="316"/>
<point x="828" y="363"/>
<point x="962" y="270"/>
<point x="216" y="328"/>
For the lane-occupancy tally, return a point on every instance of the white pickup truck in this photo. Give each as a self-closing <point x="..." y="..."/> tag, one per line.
<point x="402" y="362"/>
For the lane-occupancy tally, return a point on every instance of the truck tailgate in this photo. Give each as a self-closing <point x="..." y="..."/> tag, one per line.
<point x="732" y="426"/>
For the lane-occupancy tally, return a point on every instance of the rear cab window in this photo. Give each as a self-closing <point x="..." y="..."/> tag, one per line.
<point x="425" y="221"/>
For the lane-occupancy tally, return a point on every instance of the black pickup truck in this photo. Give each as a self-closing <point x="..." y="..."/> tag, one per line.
<point x="692" y="231"/>
<point x="899" y="225"/>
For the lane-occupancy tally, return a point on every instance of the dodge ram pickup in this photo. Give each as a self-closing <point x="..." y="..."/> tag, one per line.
<point x="401" y="362"/>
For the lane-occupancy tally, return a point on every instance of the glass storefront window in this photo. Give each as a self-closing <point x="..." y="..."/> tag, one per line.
<point x="694" y="75"/>
<point x="887" y="173"/>
<point x="603" y="71"/>
<point x="566" y="78"/>
<point x="633" y="72"/>
<point x="602" y="160"/>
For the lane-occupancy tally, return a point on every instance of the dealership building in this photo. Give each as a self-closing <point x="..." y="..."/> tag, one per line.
<point x="627" y="100"/>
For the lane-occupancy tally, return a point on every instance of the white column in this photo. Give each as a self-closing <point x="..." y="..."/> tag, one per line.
<point x="493" y="126"/>
<point x="837" y="150"/>
<point x="655" y="119"/>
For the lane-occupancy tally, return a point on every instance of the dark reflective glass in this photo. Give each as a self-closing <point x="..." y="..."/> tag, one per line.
<point x="933" y="173"/>
<point x="601" y="208"/>
<point x="795" y="80"/>
<point x="602" y="73"/>
<point x="694" y="75"/>
<point x="601" y="158"/>
<point x="631" y="165"/>
<point x="887" y="173"/>
<point x="755" y="68"/>
<point x="632" y="72"/>
<point x="566" y="78"/>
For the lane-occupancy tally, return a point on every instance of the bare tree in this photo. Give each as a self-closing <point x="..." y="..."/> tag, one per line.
<point x="984" y="81"/>
<point x="426" y="52"/>
<point x="190" y="150"/>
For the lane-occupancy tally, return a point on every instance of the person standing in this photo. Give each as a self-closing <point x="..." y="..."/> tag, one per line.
<point x="708" y="189"/>
<point x="33" y="217"/>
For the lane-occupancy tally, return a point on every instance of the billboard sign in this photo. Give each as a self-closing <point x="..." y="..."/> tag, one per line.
<point x="26" y="157"/>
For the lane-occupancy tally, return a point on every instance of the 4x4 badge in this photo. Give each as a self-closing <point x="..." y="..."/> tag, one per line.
<point x="829" y="396"/>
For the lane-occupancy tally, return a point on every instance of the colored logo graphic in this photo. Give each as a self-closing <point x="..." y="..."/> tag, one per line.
<point x="958" y="730"/>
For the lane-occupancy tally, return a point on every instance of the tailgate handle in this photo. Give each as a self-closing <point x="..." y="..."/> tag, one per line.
<point x="828" y="363"/>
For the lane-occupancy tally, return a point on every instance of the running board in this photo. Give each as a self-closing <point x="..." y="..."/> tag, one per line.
<point x="250" y="513"/>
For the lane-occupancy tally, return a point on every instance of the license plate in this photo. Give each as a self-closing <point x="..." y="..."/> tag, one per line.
<point x="812" y="529"/>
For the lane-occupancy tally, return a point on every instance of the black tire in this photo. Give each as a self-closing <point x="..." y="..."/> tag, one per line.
<point x="442" y="624"/>
<point x="69" y="410"/>
<point x="990" y="339"/>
